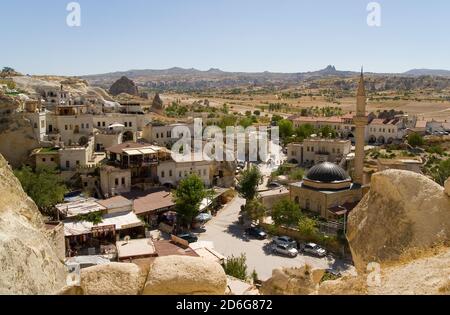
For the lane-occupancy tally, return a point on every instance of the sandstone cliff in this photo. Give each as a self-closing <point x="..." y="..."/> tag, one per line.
<point x="28" y="262"/>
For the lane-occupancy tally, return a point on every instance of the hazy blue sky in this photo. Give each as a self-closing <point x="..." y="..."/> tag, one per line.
<point x="233" y="35"/>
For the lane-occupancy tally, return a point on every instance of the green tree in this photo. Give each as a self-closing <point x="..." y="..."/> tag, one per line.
<point x="246" y="122"/>
<point x="286" y="212"/>
<point x="236" y="267"/>
<point x="307" y="226"/>
<point x="188" y="197"/>
<point x="94" y="217"/>
<point x="44" y="186"/>
<point x="297" y="174"/>
<point x="328" y="131"/>
<point x="276" y="119"/>
<point x="248" y="183"/>
<point x="254" y="210"/>
<point x="441" y="172"/>
<point x="304" y="131"/>
<point x="227" y="121"/>
<point x="286" y="128"/>
<point x="415" y="140"/>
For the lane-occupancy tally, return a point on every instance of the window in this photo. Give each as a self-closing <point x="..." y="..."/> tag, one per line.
<point x="98" y="124"/>
<point x="126" y="124"/>
<point x="163" y="174"/>
<point x="179" y="175"/>
<point x="130" y="124"/>
<point x="157" y="136"/>
<point x="104" y="124"/>
<point x="168" y="134"/>
<point x="78" y="163"/>
<point x="85" y="184"/>
<point x="67" y="164"/>
<point x="123" y="181"/>
<point x="170" y="173"/>
<point x="116" y="181"/>
<point x="87" y="126"/>
<point x="338" y="151"/>
<point x="66" y="127"/>
<point x="44" y="159"/>
<point x="82" y="126"/>
<point x="52" y="159"/>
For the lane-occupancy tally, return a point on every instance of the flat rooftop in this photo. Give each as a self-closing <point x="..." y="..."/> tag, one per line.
<point x="139" y="248"/>
<point x="85" y="206"/>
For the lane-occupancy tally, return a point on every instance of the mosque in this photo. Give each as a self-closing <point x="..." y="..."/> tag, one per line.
<point x="327" y="189"/>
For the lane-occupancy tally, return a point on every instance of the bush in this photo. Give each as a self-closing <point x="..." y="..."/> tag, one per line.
<point x="236" y="267"/>
<point x="415" y="140"/>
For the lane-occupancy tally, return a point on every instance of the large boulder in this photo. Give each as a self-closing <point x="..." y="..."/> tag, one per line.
<point x="112" y="279"/>
<point x="184" y="275"/>
<point x="293" y="281"/>
<point x="124" y="85"/>
<point x="447" y="187"/>
<point x="403" y="212"/>
<point x="28" y="262"/>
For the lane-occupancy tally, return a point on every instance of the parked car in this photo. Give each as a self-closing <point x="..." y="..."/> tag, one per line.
<point x="274" y="185"/>
<point x="256" y="232"/>
<point x="190" y="237"/>
<point x="285" y="240"/>
<point x="314" y="249"/>
<point x="285" y="249"/>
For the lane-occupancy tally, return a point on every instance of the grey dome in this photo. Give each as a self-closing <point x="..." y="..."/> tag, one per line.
<point x="327" y="173"/>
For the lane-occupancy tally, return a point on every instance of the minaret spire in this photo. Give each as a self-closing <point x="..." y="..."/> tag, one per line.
<point x="361" y="121"/>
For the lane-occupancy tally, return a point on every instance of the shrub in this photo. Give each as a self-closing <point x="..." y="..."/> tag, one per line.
<point x="236" y="267"/>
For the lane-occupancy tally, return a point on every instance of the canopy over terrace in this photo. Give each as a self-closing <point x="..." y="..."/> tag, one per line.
<point x="79" y="207"/>
<point x="120" y="221"/>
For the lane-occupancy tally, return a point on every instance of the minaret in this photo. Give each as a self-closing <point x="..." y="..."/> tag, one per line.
<point x="360" y="121"/>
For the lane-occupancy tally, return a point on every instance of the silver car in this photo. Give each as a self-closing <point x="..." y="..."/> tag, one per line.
<point x="285" y="250"/>
<point x="285" y="240"/>
<point x="314" y="249"/>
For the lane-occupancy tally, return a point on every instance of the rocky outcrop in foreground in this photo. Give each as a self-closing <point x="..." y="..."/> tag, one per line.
<point x="28" y="262"/>
<point x="403" y="212"/>
<point x="171" y="275"/>
<point x="124" y="85"/>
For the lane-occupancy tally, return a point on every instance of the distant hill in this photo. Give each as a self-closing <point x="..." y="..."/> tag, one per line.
<point x="427" y="72"/>
<point x="181" y="79"/>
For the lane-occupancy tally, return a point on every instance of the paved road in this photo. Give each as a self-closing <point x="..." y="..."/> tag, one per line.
<point x="228" y="238"/>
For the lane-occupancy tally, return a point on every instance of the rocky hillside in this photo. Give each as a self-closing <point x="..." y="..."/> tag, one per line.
<point x="28" y="262"/>
<point x="179" y="79"/>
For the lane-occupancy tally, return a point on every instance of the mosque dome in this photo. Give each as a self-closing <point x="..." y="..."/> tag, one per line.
<point x="327" y="176"/>
<point x="327" y="173"/>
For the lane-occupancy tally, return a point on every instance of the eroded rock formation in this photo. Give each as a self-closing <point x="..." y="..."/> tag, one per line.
<point x="124" y="85"/>
<point x="28" y="262"/>
<point x="403" y="212"/>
